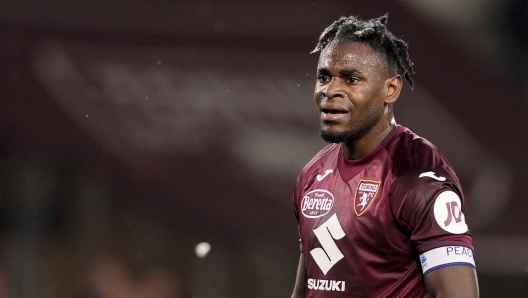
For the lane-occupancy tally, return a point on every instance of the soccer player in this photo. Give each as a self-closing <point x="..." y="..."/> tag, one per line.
<point x="379" y="209"/>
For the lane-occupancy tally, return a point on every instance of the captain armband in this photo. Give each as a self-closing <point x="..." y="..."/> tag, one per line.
<point x="446" y="256"/>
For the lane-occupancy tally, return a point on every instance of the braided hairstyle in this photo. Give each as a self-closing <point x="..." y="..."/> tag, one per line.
<point x="373" y="32"/>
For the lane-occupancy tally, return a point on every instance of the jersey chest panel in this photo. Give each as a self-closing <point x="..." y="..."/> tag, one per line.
<point x="347" y="228"/>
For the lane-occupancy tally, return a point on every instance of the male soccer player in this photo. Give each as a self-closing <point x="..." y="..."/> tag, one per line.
<point x="379" y="209"/>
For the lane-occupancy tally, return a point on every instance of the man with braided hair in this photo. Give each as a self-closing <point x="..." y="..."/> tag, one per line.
<point x="379" y="209"/>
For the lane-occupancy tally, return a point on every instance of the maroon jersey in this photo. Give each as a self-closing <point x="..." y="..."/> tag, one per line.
<point x="363" y="223"/>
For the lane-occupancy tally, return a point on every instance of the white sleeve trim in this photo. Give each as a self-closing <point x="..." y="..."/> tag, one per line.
<point x="446" y="256"/>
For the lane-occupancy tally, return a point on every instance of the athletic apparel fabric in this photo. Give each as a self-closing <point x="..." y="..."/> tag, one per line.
<point x="363" y="223"/>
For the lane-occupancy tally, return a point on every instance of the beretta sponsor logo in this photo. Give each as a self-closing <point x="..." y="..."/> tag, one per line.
<point x="317" y="203"/>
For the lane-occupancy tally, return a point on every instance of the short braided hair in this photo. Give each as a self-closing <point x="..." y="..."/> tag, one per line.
<point x="373" y="32"/>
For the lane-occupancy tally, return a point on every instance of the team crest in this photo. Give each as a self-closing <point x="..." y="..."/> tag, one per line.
<point x="365" y="194"/>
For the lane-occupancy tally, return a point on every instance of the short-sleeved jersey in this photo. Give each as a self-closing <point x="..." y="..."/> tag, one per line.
<point x="363" y="223"/>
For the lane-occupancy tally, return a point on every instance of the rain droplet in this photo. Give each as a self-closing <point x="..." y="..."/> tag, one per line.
<point x="202" y="249"/>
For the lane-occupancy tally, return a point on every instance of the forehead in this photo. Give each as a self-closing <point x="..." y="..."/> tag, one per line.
<point x="351" y="55"/>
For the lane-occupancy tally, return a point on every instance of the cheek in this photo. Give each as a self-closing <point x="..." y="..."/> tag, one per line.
<point x="374" y="108"/>
<point x="358" y="98"/>
<point x="366" y="104"/>
<point x="368" y="94"/>
<point x="318" y="94"/>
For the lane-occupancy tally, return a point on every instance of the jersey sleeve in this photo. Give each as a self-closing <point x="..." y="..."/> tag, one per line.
<point x="430" y="206"/>
<point x="295" y="200"/>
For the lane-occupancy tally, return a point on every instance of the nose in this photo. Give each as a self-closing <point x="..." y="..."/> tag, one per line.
<point x="333" y="88"/>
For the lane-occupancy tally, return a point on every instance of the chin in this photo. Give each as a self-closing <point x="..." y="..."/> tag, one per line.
<point x="334" y="136"/>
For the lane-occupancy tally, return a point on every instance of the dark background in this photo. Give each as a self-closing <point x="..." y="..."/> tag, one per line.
<point x="131" y="131"/>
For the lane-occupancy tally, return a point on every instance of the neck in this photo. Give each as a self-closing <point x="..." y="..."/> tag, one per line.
<point x="363" y="146"/>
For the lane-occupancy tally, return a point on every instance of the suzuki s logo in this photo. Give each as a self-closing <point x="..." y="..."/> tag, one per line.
<point x="317" y="203"/>
<point x="328" y="254"/>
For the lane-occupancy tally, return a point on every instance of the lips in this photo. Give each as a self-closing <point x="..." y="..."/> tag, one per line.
<point x="332" y="113"/>
<point x="332" y="108"/>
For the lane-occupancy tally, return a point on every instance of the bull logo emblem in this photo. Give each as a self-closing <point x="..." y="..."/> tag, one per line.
<point x="365" y="194"/>
<point x="363" y="200"/>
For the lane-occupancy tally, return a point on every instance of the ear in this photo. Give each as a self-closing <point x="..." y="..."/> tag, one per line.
<point x="393" y="87"/>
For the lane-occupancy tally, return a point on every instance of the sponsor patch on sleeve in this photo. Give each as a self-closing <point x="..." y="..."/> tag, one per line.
<point x="446" y="256"/>
<point x="448" y="213"/>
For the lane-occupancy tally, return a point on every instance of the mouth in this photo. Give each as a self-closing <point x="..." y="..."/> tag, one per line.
<point x="333" y="111"/>
<point x="328" y="116"/>
<point x="332" y="114"/>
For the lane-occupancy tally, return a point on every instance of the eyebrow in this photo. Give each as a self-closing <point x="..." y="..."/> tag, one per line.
<point x="343" y="72"/>
<point x="349" y="72"/>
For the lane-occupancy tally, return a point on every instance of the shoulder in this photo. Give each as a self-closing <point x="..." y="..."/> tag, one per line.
<point x="328" y="152"/>
<point x="420" y="173"/>
<point x="426" y="196"/>
<point x="413" y="156"/>
<point x="324" y="157"/>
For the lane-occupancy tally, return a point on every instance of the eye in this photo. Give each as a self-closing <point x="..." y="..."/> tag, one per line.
<point x="352" y="80"/>
<point x="323" y="78"/>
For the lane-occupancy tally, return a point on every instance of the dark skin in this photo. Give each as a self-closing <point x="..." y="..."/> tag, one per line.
<point x="354" y="94"/>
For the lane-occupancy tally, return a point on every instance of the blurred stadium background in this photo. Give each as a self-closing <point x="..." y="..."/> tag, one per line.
<point x="131" y="131"/>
